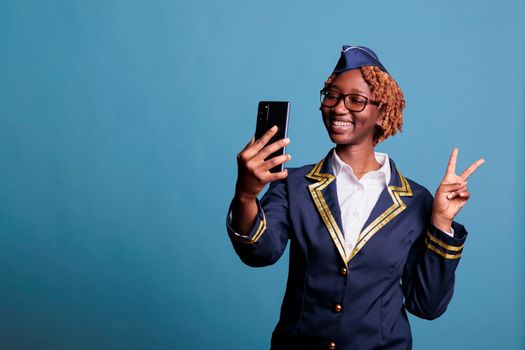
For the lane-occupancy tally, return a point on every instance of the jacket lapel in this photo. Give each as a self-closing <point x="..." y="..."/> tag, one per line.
<point x="389" y="205"/>
<point x="324" y="195"/>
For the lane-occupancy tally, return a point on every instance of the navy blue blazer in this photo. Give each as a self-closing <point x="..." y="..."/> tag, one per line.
<point x="357" y="301"/>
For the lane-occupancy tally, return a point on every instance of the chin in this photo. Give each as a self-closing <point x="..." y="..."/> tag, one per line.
<point x="340" y="139"/>
<point x="349" y="140"/>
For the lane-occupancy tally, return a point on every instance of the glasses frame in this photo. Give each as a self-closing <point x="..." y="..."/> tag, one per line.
<point x="345" y="99"/>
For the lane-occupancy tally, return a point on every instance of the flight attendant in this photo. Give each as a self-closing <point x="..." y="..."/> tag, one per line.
<point x="367" y="244"/>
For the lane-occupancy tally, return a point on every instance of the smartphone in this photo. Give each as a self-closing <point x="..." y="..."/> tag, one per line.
<point x="272" y="113"/>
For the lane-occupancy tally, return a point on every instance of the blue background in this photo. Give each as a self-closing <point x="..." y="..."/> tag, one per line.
<point x="119" y="126"/>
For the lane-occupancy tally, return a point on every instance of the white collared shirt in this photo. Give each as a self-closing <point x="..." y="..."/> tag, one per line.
<point x="357" y="197"/>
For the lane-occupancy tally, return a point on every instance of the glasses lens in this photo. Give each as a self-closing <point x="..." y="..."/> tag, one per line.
<point x="329" y="98"/>
<point x="355" y="103"/>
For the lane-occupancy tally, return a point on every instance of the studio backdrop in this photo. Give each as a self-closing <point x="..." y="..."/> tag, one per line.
<point x="120" y="122"/>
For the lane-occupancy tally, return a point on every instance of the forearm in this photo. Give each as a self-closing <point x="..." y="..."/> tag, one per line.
<point x="264" y="243"/>
<point x="244" y="214"/>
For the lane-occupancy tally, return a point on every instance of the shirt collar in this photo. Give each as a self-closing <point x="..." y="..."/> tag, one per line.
<point x="382" y="158"/>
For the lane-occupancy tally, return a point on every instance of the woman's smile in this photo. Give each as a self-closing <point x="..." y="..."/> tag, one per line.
<point x="338" y="126"/>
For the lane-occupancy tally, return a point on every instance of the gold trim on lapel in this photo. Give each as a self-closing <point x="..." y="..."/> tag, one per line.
<point x="323" y="180"/>
<point x="383" y="219"/>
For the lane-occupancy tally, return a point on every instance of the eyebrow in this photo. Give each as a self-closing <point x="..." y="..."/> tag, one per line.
<point x="352" y="90"/>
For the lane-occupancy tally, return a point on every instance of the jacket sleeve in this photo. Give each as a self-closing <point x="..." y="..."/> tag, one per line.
<point x="429" y="272"/>
<point x="265" y="244"/>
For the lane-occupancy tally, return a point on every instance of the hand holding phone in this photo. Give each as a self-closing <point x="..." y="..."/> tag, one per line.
<point x="262" y="159"/>
<point x="262" y="155"/>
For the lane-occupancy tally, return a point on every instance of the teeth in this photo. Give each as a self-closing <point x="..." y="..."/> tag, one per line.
<point x="338" y="123"/>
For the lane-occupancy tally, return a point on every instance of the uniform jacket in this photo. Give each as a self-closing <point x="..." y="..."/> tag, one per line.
<point x="334" y="301"/>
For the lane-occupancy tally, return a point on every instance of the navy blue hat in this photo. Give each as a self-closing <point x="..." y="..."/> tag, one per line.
<point x="357" y="56"/>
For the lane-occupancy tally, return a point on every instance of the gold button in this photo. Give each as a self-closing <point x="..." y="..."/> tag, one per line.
<point x="344" y="271"/>
<point x="331" y="345"/>
<point x="338" y="308"/>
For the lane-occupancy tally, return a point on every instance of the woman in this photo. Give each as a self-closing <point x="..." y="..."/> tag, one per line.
<point x="366" y="243"/>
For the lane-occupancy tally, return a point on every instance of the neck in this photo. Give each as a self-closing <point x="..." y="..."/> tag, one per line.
<point x="360" y="157"/>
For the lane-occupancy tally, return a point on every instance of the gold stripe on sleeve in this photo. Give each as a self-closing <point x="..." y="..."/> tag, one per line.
<point x="439" y="252"/>
<point x="443" y="245"/>
<point x="260" y="231"/>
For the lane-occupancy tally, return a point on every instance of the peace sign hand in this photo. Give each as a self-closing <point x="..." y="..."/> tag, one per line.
<point x="452" y="194"/>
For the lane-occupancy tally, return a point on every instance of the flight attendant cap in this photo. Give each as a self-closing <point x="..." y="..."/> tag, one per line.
<point x="353" y="57"/>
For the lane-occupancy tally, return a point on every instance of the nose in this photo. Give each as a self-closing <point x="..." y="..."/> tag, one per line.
<point x="340" y="107"/>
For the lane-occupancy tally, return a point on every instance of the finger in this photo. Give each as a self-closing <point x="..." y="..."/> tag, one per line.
<point x="244" y="155"/>
<point x="471" y="169"/>
<point x="263" y="140"/>
<point x="277" y="145"/>
<point x="465" y="195"/>
<point x="457" y="191"/>
<point x="451" y="168"/>
<point x="277" y="176"/>
<point x="275" y="161"/>
<point x="455" y="187"/>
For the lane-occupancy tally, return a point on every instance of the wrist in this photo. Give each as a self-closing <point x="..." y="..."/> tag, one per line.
<point x="443" y="224"/>
<point x="244" y="198"/>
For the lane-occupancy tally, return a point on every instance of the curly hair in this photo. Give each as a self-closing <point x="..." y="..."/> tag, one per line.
<point x="390" y="97"/>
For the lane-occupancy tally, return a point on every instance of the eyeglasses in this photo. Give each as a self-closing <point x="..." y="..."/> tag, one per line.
<point x="353" y="102"/>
